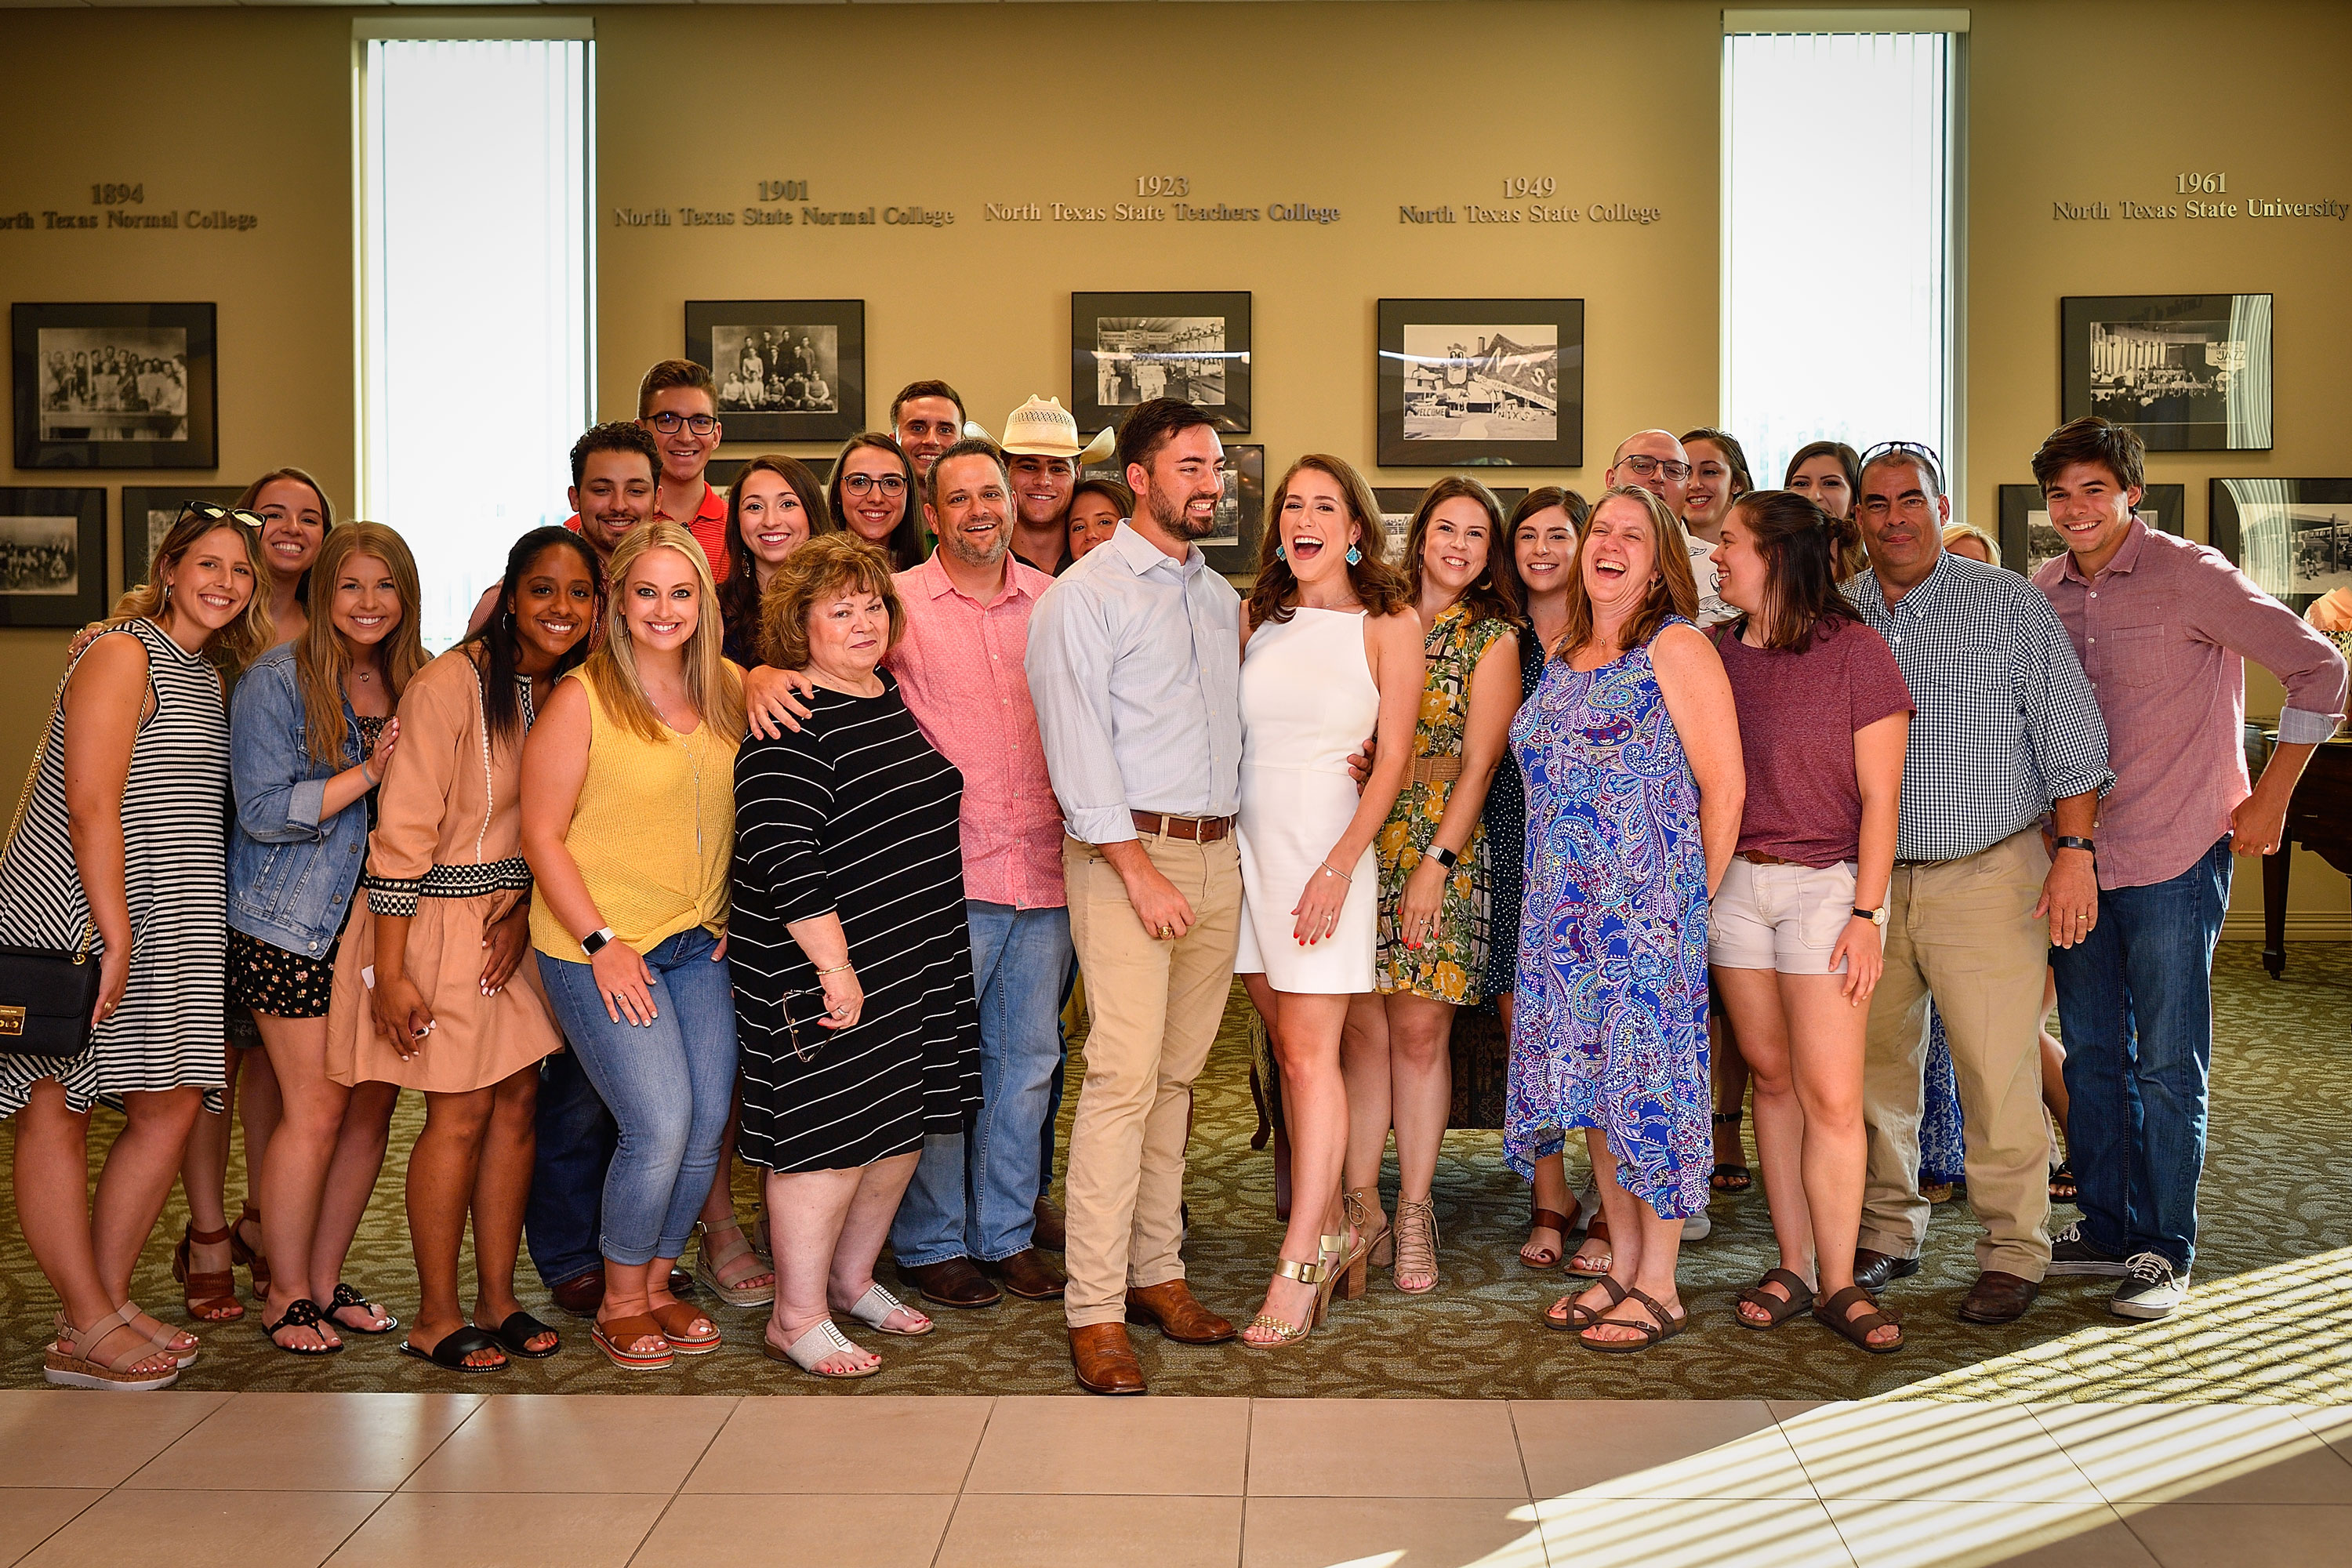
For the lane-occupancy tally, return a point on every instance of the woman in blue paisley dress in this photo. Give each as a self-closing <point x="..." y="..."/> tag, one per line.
<point x="1630" y="754"/>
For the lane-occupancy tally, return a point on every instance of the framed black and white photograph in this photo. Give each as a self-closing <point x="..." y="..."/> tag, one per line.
<point x="2028" y="540"/>
<point x="115" y="386"/>
<point x="148" y="512"/>
<point x="52" y="556"/>
<point x="1231" y="547"/>
<point x="1127" y="348"/>
<point x="786" y="370"/>
<point x="1481" y="380"/>
<point x="2191" y="373"/>
<point x="2292" y="537"/>
<point x="1398" y="502"/>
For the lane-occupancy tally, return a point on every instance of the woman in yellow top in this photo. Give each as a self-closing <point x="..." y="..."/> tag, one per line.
<point x="1432" y="878"/>
<point x="628" y="824"/>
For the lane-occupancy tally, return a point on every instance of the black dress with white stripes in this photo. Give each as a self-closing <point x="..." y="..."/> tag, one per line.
<point x="855" y="815"/>
<point x="167" y="1033"/>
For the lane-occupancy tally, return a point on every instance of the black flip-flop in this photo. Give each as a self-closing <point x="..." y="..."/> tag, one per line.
<point x="347" y="1296"/>
<point x="518" y="1330"/>
<point x="451" y="1354"/>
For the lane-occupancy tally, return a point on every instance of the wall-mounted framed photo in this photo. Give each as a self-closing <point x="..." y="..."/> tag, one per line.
<point x="1398" y="502"/>
<point x="115" y="386"/>
<point x="724" y="472"/>
<point x="1127" y="348"/>
<point x="52" y="556"/>
<point x="1231" y="547"/>
<point x="2191" y="373"/>
<point x="787" y="370"/>
<point x="148" y="512"/>
<point x="2028" y="540"/>
<point x="1481" y="380"/>
<point x="2292" y="537"/>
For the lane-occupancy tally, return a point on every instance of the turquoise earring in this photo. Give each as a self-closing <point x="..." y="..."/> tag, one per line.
<point x="1355" y="556"/>
<point x="1278" y="555"/>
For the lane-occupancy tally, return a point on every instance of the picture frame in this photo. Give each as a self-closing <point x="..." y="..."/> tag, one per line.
<point x="2187" y="372"/>
<point x="147" y="512"/>
<point x="2292" y="537"/>
<point x="1398" y="502"/>
<point x="821" y="347"/>
<point x="52" y="556"/>
<point x="2027" y="539"/>
<point x="1127" y="348"/>
<point x="1232" y="549"/>
<point x="115" y="386"/>
<point x="1483" y="382"/>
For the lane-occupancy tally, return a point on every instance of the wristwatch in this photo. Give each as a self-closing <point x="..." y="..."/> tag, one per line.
<point x="2069" y="842"/>
<point x="594" y="941"/>
<point x="1876" y="917"/>
<point x="1445" y="857"/>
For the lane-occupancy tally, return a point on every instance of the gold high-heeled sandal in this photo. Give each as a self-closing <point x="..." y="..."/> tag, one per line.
<point x="1323" y="1273"/>
<point x="1416" y="1244"/>
<point x="1375" y="1248"/>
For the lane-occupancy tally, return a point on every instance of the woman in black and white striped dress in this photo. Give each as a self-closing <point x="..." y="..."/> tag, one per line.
<point x="850" y="951"/>
<point x="135" y="851"/>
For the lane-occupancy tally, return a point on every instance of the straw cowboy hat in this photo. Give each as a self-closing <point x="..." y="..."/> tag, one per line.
<point x="1041" y="428"/>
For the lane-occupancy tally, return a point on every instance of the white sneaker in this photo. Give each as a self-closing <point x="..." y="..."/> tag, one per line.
<point x="2151" y="1288"/>
<point x="1697" y="1227"/>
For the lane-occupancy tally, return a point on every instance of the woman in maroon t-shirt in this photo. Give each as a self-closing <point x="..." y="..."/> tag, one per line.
<point x="1793" y="944"/>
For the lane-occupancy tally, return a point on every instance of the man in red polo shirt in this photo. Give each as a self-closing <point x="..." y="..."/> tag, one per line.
<point x="678" y="407"/>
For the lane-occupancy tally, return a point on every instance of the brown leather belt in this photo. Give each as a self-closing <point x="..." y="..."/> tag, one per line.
<point x="1757" y="857"/>
<point x="1436" y="770"/>
<point x="1192" y="829"/>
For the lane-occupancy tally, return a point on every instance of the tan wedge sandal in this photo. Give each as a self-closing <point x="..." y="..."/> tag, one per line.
<point x="711" y="1259"/>
<point x="73" y="1362"/>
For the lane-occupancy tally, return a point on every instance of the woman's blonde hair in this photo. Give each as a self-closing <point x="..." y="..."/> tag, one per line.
<point x="1955" y="532"/>
<point x="241" y="641"/>
<point x="820" y="570"/>
<point x="324" y="656"/>
<point x="712" y="685"/>
<point x="1674" y="594"/>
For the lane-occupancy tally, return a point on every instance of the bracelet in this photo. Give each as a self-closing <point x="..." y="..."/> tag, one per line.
<point x="836" y="968"/>
<point x="1342" y="875"/>
<point x="371" y="778"/>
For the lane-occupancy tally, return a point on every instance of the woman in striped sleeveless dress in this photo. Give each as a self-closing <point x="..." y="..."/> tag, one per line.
<point x="142" y="715"/>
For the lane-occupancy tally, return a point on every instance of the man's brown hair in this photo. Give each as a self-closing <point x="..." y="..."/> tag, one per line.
<point x="2092" y="439"/>
<point x="669" y="373"/>
<point x="915" y="389"/>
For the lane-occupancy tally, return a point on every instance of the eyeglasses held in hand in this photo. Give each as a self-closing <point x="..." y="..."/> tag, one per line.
<point x="888" y="484"/>
<point x="701" y="423"/>
<point x="1646" y="466"/>
<point x="791" y="1030"/>
<point x="209" y="512"/>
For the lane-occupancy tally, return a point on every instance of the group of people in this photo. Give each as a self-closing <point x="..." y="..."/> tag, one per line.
<point x="777" y="824"/>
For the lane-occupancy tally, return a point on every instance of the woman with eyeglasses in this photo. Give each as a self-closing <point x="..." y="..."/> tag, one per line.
<point x="853" y="997"/>
<point x="116" y="851"/>
<point x="314" y="724"/>
<point x="873" y="496"/>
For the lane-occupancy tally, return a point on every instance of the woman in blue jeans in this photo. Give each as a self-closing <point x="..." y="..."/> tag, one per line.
<point x="628" y="824"/>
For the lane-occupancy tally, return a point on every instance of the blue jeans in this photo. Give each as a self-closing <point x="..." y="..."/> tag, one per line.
<point x="567" y="1178"/>
<point x="974" y="1195"/>
<point x="2135" y="1001"/>
<point x="669" y="1084"/>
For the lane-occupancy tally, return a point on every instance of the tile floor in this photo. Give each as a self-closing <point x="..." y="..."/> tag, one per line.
<point x="290" y="1480"/>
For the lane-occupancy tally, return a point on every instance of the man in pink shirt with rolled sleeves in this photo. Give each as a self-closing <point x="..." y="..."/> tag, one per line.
<point x="2163" y="628"/>
<point x="960" y="668"/>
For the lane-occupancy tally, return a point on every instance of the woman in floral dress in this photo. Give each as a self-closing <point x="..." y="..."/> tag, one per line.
<point x="1433" y="902"/>
<point x="1630" y="754"/>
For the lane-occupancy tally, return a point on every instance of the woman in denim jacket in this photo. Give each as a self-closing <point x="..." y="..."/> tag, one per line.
<point x="310" y="729"/>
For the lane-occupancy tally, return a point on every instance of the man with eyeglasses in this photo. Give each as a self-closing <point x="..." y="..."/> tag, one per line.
<point x="927" y="416"/>
<point x="678" y="407"/>
<point x="2007" y="729"/>
<point x="1654" y="461"/>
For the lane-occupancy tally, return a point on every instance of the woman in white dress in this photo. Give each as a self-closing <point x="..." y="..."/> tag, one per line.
<point x="1330" y="652"/>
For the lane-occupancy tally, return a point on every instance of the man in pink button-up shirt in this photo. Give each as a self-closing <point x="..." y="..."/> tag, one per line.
<point x="2163" y="628"/>
<point x="960" y="669"/>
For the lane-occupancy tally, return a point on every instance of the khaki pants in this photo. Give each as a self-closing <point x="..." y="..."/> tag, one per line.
<point x="1964" y="933"/>
<point x="1156" y="1006"/>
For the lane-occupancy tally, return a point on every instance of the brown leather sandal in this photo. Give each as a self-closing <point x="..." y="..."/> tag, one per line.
<point x="1858" y="1330"/>
<point x="1666" y="1326"/>
<point x="676" y="1318"/>
<point x="1777" y="1309"/>
<point x="1578" y="1315"/>
<point x="210" y="1295"/>
<point x="255" y="1260"/>
<point x="1542" y="1218"/>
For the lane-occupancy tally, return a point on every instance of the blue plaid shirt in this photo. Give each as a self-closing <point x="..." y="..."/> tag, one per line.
<point x="2007" y="722"/>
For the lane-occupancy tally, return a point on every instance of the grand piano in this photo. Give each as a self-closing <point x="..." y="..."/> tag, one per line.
<point x="2318" y="818"/>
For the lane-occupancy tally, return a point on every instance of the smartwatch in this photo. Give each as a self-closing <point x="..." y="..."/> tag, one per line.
<point x="1445" y="857"/>
<point x="2069" y="842"/>
<point x="594" y="941"/>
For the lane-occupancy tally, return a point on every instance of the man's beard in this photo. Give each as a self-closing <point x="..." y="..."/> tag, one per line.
<point x="1176" y="519"/>
<point x="962" y="549"/>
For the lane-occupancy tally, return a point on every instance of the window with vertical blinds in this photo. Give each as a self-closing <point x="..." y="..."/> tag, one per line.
<point x="1838" y="297"/>
<point x="474" y="276"/>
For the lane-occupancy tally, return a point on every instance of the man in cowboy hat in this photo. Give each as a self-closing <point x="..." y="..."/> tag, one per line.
<point x="1042" y="455"/>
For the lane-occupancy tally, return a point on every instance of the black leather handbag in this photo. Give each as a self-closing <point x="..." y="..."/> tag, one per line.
<point x="48" y="994"/>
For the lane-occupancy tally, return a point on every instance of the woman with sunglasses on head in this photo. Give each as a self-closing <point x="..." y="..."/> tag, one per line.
<point x="873" y="496"/>
<point x="117" y="853"/>
<point x="1433" y="885"/>
<point x="313" y="726"/>
<point x="432" y="990"/>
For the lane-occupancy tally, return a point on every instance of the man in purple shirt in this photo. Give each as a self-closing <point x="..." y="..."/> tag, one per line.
<point x="2163" y="628"/>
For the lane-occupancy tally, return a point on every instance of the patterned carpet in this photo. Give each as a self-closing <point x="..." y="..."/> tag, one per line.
<point x="2270" y="1319"/>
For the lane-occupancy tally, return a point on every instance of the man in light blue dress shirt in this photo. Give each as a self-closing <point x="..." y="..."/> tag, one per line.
<point x="1134" y="663"/>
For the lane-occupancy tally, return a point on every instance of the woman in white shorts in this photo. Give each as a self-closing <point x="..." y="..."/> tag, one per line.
<point x="1793" y="941"/>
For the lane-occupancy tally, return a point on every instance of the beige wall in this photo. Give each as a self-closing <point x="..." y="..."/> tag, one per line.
<point x="1355" y="106"/>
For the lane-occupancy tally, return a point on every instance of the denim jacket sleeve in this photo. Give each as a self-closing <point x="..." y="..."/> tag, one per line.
<point x="280" y="791"/>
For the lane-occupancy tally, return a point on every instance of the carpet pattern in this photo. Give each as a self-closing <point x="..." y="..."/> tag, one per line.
<point x="2269" y="1319"/>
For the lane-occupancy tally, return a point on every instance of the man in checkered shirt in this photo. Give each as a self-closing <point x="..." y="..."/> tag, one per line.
<point x="2007" y="729"/>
